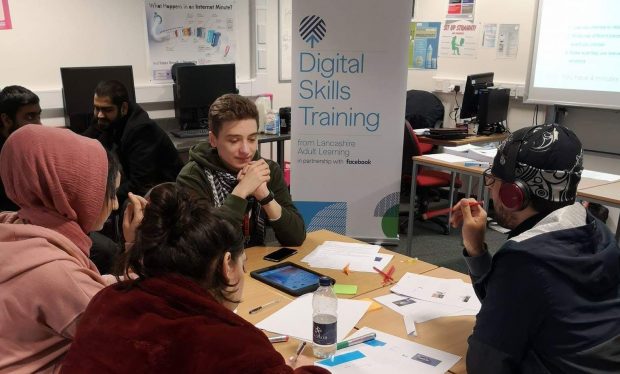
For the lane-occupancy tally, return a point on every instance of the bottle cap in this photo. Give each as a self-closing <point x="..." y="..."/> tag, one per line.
<point x="325" y="281"/>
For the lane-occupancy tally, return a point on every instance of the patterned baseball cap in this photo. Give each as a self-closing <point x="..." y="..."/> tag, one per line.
<point x="547" y="158"/>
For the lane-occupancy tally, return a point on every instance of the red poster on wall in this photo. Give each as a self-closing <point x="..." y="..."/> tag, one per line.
<point x="5" y="16"/>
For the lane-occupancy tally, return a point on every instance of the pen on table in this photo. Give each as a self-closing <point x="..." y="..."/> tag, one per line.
<point x="386" y="276"/>
<point x="354" y="341"/>
<point x="261" y="307"/>
<point x="301" y="347"/>
<point x="278" y="338"/>
<point x="441" y="212"/>
<point x="477" y="163"/>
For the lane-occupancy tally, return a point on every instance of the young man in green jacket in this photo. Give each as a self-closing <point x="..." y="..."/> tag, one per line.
<point x="228" y="173"/>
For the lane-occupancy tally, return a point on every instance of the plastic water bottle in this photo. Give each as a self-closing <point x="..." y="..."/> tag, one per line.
<point x="276" y="121"/>
<point x="429" y="57"/>
<point x="324" y="319"/>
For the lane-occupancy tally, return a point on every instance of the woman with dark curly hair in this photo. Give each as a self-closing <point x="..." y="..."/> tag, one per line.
<point x="177" y="315"/>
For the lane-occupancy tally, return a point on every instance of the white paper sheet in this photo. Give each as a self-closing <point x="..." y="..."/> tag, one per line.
<point x="409" y="321"/>
<point x="459" y="148"/>
<point x="391" y="354"/>
<point x="484" y="155"/>
<point x="453" y="292"/>
<point x="337" y="255"/>
<point x="600" y="175"/>
<point x="446" y="157"/>
<point x="295" y="319"/>
<point x="420" y="310"/>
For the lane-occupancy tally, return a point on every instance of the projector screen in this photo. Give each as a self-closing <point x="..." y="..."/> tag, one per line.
<point x="576" y="54"/>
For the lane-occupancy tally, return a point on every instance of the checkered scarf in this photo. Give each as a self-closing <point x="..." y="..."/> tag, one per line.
<point x="222" y="184"/>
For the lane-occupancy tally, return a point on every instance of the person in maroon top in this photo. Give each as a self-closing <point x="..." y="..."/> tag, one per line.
<point x="177" y="314"/>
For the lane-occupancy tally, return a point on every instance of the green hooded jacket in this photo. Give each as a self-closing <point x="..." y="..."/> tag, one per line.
<point x="289" y="228"/>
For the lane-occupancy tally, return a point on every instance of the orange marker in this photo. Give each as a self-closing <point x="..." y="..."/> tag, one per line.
<point x="444" y="211"/>
<point x="391" y="270"/>
<point x="346" y="270"/>
<point x="386" y="277"/>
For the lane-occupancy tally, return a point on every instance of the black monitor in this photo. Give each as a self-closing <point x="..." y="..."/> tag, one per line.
<point x="492" y="110"/>
<point x="196" y="88"/>
<point x="475" y="84"/>
<point x="78" y="88"/>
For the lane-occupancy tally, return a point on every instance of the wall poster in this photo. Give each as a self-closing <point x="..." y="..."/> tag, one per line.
<point x="202" y="32"/>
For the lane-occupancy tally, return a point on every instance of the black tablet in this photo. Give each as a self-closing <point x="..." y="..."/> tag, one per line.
<point x="289" y="277"/>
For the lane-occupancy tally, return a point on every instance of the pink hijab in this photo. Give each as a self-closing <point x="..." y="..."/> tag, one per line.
<point x="57" y="178"/>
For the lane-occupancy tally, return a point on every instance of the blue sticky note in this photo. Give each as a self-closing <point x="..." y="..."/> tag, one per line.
<point x="375" y="343"/>
<point x="341" y="359"/>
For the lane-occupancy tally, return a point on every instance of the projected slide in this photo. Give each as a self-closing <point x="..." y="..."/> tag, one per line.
<point x="578" y="46"/>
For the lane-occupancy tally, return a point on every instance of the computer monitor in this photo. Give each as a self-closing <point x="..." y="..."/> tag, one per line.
<point x="78" y="88"/>
<point x="196" y="88"/>
<point x="492" y="110"/>
<point x="475" y="84"/>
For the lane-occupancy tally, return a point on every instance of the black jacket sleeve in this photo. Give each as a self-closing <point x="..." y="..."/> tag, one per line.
<point x="139" y="152"/>
<point x="512" y="310"/>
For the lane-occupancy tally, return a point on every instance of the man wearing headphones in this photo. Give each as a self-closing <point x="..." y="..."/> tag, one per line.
<point x="551" y="294"/>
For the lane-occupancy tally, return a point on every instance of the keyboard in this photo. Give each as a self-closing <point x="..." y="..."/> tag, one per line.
<point x="447" y="133"/>
<point x="192" y="133"/>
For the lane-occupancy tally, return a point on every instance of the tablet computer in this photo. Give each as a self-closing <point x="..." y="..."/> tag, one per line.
<point x="289" y="277"/>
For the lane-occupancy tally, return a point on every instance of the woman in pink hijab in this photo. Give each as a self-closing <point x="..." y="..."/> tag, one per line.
<point x="65" y="186"/>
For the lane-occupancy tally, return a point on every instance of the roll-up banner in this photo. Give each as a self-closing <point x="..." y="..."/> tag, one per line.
<point x="349" y="82"/>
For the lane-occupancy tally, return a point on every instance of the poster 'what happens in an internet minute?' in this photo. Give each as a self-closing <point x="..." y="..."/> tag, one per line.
<point x="189" y="31"/>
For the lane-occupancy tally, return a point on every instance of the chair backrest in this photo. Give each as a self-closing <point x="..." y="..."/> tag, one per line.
<point x="423" y="109"/>
<point x="411" y="147"/>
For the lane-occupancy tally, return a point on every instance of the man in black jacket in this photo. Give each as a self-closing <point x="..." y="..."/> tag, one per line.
<point x="145" y="151"/>
<point x="551" y="294"/>
<point x="18" y="107"/>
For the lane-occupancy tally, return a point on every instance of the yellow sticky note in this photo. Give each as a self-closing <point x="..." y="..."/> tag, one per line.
<point x="345" y="289"/>
<point x="374" y="305"/>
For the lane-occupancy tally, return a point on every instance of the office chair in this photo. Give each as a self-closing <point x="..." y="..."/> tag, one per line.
<point x="428" y="180"/>
<point x="424" y="110"/>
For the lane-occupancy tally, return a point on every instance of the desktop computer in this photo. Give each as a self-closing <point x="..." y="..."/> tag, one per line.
<point x="196" y="87"/>
<point x="78" y="89"/>
<point x="493" y="110"/>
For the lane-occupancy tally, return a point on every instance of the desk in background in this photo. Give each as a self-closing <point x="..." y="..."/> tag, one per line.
<point x="467" y="140"/>
<point x="605" y="194"/>
<point x="184" y="144"/>
<point x="448" y="333"/>
<point x="454" y="168"/>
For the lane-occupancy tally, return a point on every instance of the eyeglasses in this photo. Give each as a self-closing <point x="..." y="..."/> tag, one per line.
<point x="489" y="178"/>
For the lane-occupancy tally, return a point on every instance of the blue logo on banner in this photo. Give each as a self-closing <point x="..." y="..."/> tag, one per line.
<point x="312" y="29"/>
<point x="318" y="215"/>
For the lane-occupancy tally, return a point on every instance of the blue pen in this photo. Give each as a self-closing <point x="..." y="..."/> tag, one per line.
<point x="476" y="163"/>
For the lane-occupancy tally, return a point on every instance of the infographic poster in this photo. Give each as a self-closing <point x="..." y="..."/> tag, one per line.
<point x="202" y="32"/>
<point x="461" y="10"/>
<point x="459" y="39"/>
<point x="424" y="45"/>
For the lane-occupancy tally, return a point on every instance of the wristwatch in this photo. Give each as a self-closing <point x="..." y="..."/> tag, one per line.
<point x="267" y="199"/>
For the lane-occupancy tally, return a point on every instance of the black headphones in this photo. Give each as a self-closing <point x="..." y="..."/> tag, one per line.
<point x="514" y="193"/>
